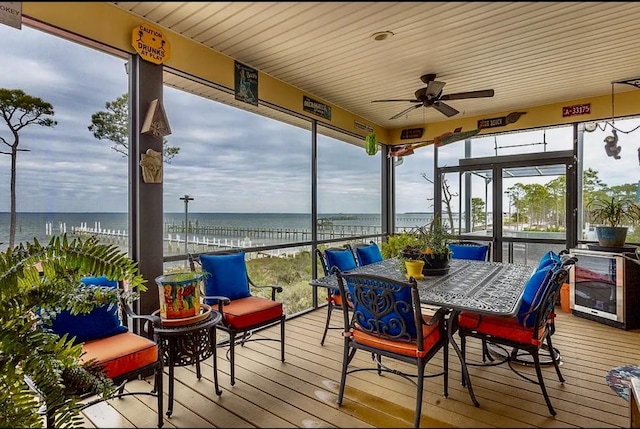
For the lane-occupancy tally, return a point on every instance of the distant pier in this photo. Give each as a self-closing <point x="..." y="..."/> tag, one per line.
<point x="205" y="238"/>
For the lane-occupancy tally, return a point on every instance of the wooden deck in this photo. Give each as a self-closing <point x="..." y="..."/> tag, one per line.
<point x="302" y="391"/>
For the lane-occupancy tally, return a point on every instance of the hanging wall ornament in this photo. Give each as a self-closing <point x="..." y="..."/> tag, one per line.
<point x="371" y="144"/>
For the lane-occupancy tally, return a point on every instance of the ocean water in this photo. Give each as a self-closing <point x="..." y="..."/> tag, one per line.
<point x="42" y="225"/>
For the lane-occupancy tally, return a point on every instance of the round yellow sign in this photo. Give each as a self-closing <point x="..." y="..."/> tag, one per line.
<point x="150" y="43"/>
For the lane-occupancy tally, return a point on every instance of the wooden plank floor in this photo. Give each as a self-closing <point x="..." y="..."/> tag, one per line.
<point x="302" y="391"/>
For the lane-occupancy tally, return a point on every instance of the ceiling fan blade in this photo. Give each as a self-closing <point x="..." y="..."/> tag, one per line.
<point x="444" y="108"/>
<point x="405" y="100"/>
<point x="434" y="88"/>
<point x="405" y="111"/>
<point x="469" y="94"/>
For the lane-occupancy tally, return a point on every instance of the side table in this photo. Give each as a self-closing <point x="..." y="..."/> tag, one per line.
<point x="188" y="344"/>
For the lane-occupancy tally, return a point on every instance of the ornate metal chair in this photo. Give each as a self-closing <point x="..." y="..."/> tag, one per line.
<point x="344" y="259"/>
<point x="528" y="331"/>
<point x="367" y="253"/>
<point x="388" y="321"/>
<point x="227" y="284"/>
<point x="122" y="355"/>
<point x="471" y="250"/>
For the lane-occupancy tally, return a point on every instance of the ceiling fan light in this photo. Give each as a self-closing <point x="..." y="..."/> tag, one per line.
<point x="382" y="35"/>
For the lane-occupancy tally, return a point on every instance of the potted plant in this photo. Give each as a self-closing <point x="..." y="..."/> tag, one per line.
<point x="428" y="243"/>
<point x="400" y="246"/>
<point x="435" y="250"/>
<point x="34" y="277"/>
<point x="179" y="295"/>
<point x="611" y="213"/>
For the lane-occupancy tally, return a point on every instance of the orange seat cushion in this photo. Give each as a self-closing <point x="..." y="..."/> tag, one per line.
<point x="431" y="335"/>
<point x="501" y="327"/>
<point x="251" y="311"/>
<point x="336" y="299"/>
<point x="122" y="353"/>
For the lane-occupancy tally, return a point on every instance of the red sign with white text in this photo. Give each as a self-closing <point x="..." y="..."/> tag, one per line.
<point x="578" y="109"/>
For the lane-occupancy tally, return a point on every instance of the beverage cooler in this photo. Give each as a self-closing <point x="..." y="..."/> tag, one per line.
<point x="605" y="286"/>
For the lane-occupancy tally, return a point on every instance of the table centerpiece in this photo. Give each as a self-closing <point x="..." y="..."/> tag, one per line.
<point x="428" y="243"/>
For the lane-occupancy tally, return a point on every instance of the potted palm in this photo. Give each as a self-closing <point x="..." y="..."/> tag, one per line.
<point x="611" y="213"/>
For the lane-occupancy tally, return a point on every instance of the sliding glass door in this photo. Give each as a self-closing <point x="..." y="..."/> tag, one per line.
<point x="523" y="204"/>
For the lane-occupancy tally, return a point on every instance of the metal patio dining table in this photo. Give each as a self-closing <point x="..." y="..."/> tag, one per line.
<point x="492" y="288"/>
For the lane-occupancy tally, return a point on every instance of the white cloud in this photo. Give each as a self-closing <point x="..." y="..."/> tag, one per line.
<point x="229" y="160"/>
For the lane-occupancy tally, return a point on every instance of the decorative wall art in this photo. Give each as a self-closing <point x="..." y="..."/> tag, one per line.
<point x="611" y="145"/>
<point x="316" y="107"/>
<point x="501" y="121"/>
<point x="151" y="163"/>
<point x="156" y="122"/>
<point x="11" y="14"/>
<point x="441" y="140"/>
<point x="246" y="83"/>
<point x="150" y="43"/>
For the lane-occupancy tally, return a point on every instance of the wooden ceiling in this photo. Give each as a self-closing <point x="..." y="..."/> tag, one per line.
<point x="530" y="53"/>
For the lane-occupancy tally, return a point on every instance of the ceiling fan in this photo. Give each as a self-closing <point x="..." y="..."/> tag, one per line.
<point x="431" y="96"/>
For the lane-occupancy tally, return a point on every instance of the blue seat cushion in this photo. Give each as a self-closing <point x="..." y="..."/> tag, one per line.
<point x="225" y="275"/>
<point x="368" y="254"/>
<point x="534" y="291"/>
<point x="100" y="322"/>
<point x="548" y="259"/>
<point x="343" y="259"/>
<point x="471" y="252"/>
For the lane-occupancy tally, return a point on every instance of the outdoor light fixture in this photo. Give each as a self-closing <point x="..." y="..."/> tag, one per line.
<point x="381" y="35"/>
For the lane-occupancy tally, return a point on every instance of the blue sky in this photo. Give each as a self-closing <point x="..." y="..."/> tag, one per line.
<point x="230" y="160"/>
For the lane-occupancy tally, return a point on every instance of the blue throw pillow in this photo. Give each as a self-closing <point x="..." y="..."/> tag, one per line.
<point x="368" y="254"/>
<point x="471" y="252"/>
<point x="548" y="259"/>
<point x="343" y="259"/>
<point x="225" y="275"/>
<point x="101" y="322"/>
<point x="534" y="291"/>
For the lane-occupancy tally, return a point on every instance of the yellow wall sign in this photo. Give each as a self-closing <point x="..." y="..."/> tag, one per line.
<point x="150" y="43"/>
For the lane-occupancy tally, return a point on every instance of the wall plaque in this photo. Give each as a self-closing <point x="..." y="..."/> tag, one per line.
<point x="11" y="13"/>
<point x="150" y="43"/>
<point x="246" y="83"/>
<point x="364" y="127"/>
<point x="317" y="108"/>
<point x="576" y="109"/>
<point x="411" y="133"/>
<point x="500" y="122"/>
